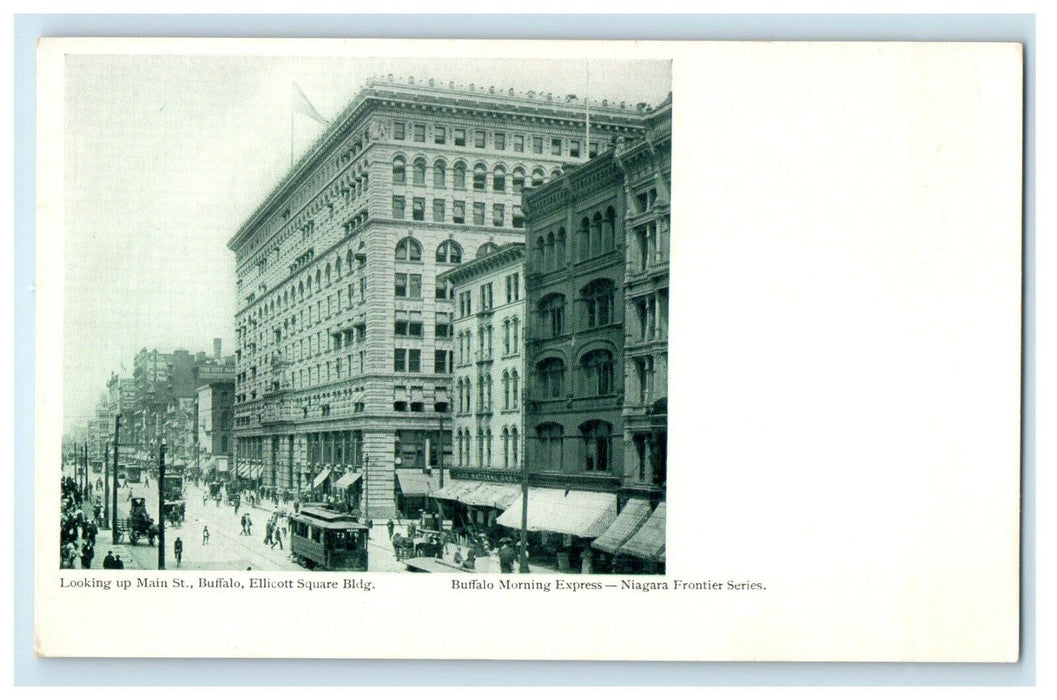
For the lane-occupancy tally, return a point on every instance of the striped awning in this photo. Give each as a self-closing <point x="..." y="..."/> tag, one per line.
<point x="320" y="478"/>
<point x="347" y="479"/>
<point x="649" y="542"/>
<point x="492" y="495"/>
<point x="414" y="483"/>
<point x="456" y="490"/>
<point x="577" y="513"/>
<point x="636" y="512"/>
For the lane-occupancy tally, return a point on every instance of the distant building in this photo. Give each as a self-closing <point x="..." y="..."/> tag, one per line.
<point x="343" y="333"/>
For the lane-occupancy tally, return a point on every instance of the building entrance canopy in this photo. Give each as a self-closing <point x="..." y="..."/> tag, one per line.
<point x="577" y="513"/>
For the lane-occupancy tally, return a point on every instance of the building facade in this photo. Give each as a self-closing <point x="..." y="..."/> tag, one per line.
<point x="597" y="355"/>
<point x="344" y="338"/>
<point x="488" y="382"/>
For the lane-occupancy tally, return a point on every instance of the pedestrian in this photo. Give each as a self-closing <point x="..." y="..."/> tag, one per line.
<point x="243" y="524"/>
<point x="506" y="557"/>
<point x="87" y="554"/>
<point x="390" y="526"/>
<point x="108" y="560"/>
<point x="178" y="550"/>
<point x="277" y="539"/>
<point x="268" y="532"/>
<point x="118" y="564"/>
<point x="249" y="525"/>
<point x="205" y="534"/>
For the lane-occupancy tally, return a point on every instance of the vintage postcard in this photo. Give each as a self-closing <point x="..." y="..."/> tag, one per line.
<point x="540" y="350"/>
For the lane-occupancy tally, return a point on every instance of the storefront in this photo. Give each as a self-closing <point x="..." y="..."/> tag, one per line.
<point x="644" y="552"/>
<point x="414" y="489"/>
<point x="562" y="524"/>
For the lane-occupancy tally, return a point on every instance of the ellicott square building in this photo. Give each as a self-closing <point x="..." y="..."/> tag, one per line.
<point x="345" y="341"/>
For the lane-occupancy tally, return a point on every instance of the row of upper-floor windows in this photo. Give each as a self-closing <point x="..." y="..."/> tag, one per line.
<point x="460" y="137"/>
<point x="461" y="176"/>
<point x="485" y="298"/>
<point x="597" y="235"/>
<point x="595" y="446"/>
<point x="511" y="381"/>
<point x="478" y="210"/>
<point x="511" y="447"/>
<point x="597" y="308"/>
<point x="596" y="376"/>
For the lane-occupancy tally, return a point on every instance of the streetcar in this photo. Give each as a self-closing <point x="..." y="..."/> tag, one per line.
<point x="324" y="538"/>
<point x="133" y="474"/>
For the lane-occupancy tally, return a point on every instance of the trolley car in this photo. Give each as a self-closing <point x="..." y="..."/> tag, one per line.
<point x="323" y="538"/>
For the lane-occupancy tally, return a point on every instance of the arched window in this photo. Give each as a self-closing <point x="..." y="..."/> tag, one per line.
<point x="597" y="370"/>
<point x="337" y="267"/>
<point x="609" y="229"/>
<point x="499" y="179"/>
<point x="596" y="235"/>
<point x="348" y="260"/>
<point x="539" y="254"/>
<point x="514" y="443"/>
<point x="584" y="236"/>
<point x="598" y="298"/>
<point x="488" y="393"/>
<point x="459" y="174"/>
<point x="549" y="440"/>
<point x="318" y="278"/>
<point x="458" y="442"/>
<point x="480" y="448"/>
<point x="449" y="252"/>
<point x="538" y="176"/>
<point x="480" y="173"/>
<point x="418" y="171"/>
<point x="488" y="447"/>
<point x="487" y="249"/>
<point x="559" y="250"/>
<point x="399" y="170"/>
<point x="514" y="389"/>
<point x="552" y="314"/>
<point x="548" y="252"/>
<point x="550" y="374"/>
<point x="556" y="173"/>
<point x="439" y="174"/>
<point x="506" y="448"/>
<point x="326" y="276"/>
<point x="409" y="249"/>
<point x="506" y="390"/>
<point x="598" y="445"/>
<point x="518" y="180"/>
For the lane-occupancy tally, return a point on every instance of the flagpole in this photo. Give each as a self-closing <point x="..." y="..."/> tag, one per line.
<point x="587" y="130"/>
<point x="291" y="133"/>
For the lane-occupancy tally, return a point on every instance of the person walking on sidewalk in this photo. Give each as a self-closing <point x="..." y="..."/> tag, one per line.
<point x="390" y="526"/>
<point x="205" y="534"/>
<point x="277" y="538"/>
<point x="178" y="550"/>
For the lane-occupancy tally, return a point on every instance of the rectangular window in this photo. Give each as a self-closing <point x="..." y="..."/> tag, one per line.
<point x="400" y="288"/>
<point x="414" y="287"/>
<point x="442" y="330"/>
<point x="478" y="213"/>
<point x="418" y="209"/>
<point x="398" y="207"/>
<point x="556" y="147"/>
<point x="517" y="217"/>
<point x="440" y="361"/>
<point x="458" y="212"/>
<point x="399" y="360"/>
<point x="497" y="215"/>
<point x="460" y="137"/>
<point x="419" y="134"/>
<point x="438" y="210"/>
<point x="479" y="138"/>
<point x="519" y="143"/>
<point x="398" y="131"/>
<point x="465" y="307"/>
<point x="592" y="150"/>
<point x="440" y="133"/>
<point x="414" y="360"/>
<point x="414" y="329"/>
<point x="400" y="328"/>
<point x="537" y="144"/>
<point x="363" y="288"/>
<point x="574" y="148"/>
<point x="486" y="296"/>
<point x="500" y="141"/>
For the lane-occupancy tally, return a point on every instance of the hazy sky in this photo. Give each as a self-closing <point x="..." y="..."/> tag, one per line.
<point x="165" y="157"/>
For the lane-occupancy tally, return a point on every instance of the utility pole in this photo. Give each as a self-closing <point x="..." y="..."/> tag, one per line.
<point x="84" y="477"/>
<point x="106" y="485"/>
<point x="523" y="548"/>
<point x="161" y="506"/>
<point x="113" y="521"/>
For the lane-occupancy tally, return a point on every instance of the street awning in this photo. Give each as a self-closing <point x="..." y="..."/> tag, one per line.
<point x="414" y="483"/>
<point x="347" y="479"/>
<point x="649" y="542"/>
<point x="636" y="512"/>
<point x="320" y="478"/>
<point x="577" y="513"/>
<point x="492" y="495"/>
<point x="456" y="490"/>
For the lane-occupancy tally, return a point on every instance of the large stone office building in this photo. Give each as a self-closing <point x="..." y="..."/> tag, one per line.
<point x="344" y="339"/>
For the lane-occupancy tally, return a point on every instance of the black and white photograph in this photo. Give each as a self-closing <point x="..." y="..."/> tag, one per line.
<point x="366" y="314"/>
<point x="313" y="313"/>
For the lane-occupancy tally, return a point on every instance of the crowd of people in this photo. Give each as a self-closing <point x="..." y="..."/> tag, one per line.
<point x="78" y="529"/>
